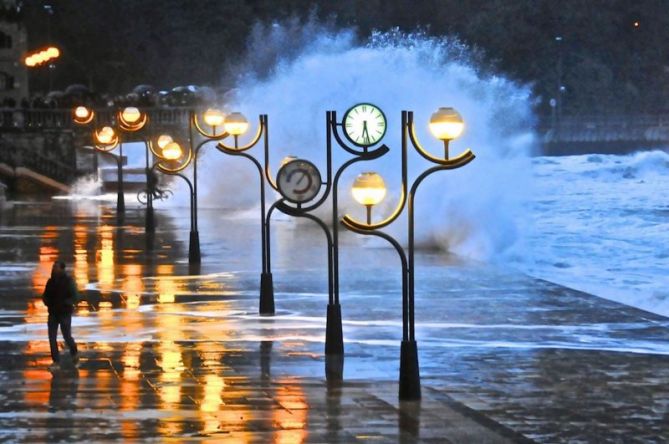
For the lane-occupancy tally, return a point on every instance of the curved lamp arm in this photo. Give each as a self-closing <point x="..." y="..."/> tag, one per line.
<point x="132" y="127"/>
<point x="234" y="152"/>
<point x="268" y="173"/>
<point x="460" y="160"/>
<point x="182" y="165"/>
<point x="251" y="144"/>
<point x="354" y="225"/>
<point x="268" y="176"/>
<point x="159" y="154"/>
<point x="153" y="149"/>
<point x="212" y="136"/>
<point x="294" y="212"/>
<point x="107" y="147"/>
<point x="335" y="131"/>
<point x="405" y="273"/>
<point x="370" y="155"/>
<point x="190" y="187"/>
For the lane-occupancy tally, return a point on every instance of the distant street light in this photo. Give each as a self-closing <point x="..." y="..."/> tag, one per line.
<point x="106" y="136"/>
<point x="173" y="159"/>
<point x="83" y="115"/>
<point x="172" y="151"/>
<point x="130" y="115"/>
<point x="38" y="58"/>
<point x="106" y="140"/>
<point x="163" y="140"/>
<point x="130" y="120"/>
<point x="559" y="86"/>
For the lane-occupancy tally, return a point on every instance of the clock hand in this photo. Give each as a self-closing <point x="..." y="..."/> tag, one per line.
<point x="306" y="188"/>
<point x="365" y="133"/>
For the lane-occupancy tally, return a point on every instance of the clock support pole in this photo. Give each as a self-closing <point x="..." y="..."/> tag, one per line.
<point x="334" y="338"/>
<point x="409" y="381"/>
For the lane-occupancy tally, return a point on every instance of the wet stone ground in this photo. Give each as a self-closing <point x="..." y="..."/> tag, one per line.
<point x="172" y="352"/>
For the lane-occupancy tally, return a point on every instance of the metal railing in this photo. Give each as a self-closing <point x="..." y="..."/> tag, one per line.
<point x="639" y="128"/>
<point x="41" y="160"/>
<point x="27" y="119"/>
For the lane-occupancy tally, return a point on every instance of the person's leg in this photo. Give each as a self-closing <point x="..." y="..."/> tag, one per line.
<point x="53" y="342"/>
<point x="66" y="329"/>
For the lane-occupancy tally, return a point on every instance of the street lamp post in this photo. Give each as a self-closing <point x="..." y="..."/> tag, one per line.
<point x="214" y="118"/>
<point x="173" y="160"/>
<point x="129" y="120"/>
<point x="368" y="189"/>
<point x="236" y="125"/>
<point x="299" y="183"/>
<point x="106" y="140"/>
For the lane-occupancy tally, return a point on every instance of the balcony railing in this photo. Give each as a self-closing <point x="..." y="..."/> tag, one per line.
<point x="19" y="119"/>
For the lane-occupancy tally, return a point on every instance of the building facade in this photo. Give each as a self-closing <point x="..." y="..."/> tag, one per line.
<point x="13" y="47"/>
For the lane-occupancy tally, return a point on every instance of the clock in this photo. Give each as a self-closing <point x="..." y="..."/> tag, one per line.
<point x="364" y="124"/>
<point x="298" y="181"/>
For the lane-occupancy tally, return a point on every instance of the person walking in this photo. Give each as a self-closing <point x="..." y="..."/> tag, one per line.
<point x="60" y="296"/>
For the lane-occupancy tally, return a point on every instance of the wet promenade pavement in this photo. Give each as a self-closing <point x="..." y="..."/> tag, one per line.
<point x="169" y="352"/>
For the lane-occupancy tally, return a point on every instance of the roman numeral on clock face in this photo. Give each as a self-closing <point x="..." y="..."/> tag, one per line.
<point x="364" y="124"/>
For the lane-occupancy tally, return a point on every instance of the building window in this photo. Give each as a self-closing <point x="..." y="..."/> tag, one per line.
<point x="5" y="40"/>
<point x="6" y="82"/>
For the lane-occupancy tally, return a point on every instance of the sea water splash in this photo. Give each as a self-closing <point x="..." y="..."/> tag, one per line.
<point x="474" y="212"/>
<point x="601" y="226"/>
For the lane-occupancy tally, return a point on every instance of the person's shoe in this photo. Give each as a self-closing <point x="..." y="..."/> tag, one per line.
<point x="54" y="366"/>
<point x="75" y="358"/>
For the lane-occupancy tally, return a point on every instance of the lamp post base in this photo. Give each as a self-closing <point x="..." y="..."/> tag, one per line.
<point x="409" y="372"/>
<point x="194" y="248"/>
<point x="266" y="294"/>
<point x="334" y="369"/>
<point x="334" y="338"/>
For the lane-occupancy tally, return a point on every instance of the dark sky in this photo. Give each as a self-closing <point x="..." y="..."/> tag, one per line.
<point x="613" y="54"/>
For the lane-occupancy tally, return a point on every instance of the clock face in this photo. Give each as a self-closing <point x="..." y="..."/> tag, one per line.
<point x="299" y="181"/>
<point x="364" y="124"/>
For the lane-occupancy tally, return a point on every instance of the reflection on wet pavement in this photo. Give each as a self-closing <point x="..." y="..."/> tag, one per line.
<point x="169" y="353"/>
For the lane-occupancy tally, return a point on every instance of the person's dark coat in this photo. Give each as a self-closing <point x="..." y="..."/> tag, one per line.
<point x="60" y="295"/>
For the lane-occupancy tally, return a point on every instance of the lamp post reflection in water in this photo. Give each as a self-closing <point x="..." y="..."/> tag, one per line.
<point x="445" y="124"/>
<point x="105" y="259"/>
<point x="292" y="412"/>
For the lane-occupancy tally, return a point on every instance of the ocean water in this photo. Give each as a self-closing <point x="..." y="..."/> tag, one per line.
<point x="597" y="223"/>
<point x="600" y="224"/>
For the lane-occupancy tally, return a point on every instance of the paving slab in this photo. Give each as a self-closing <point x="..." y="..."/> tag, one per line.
<point x="175" y="353"/>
